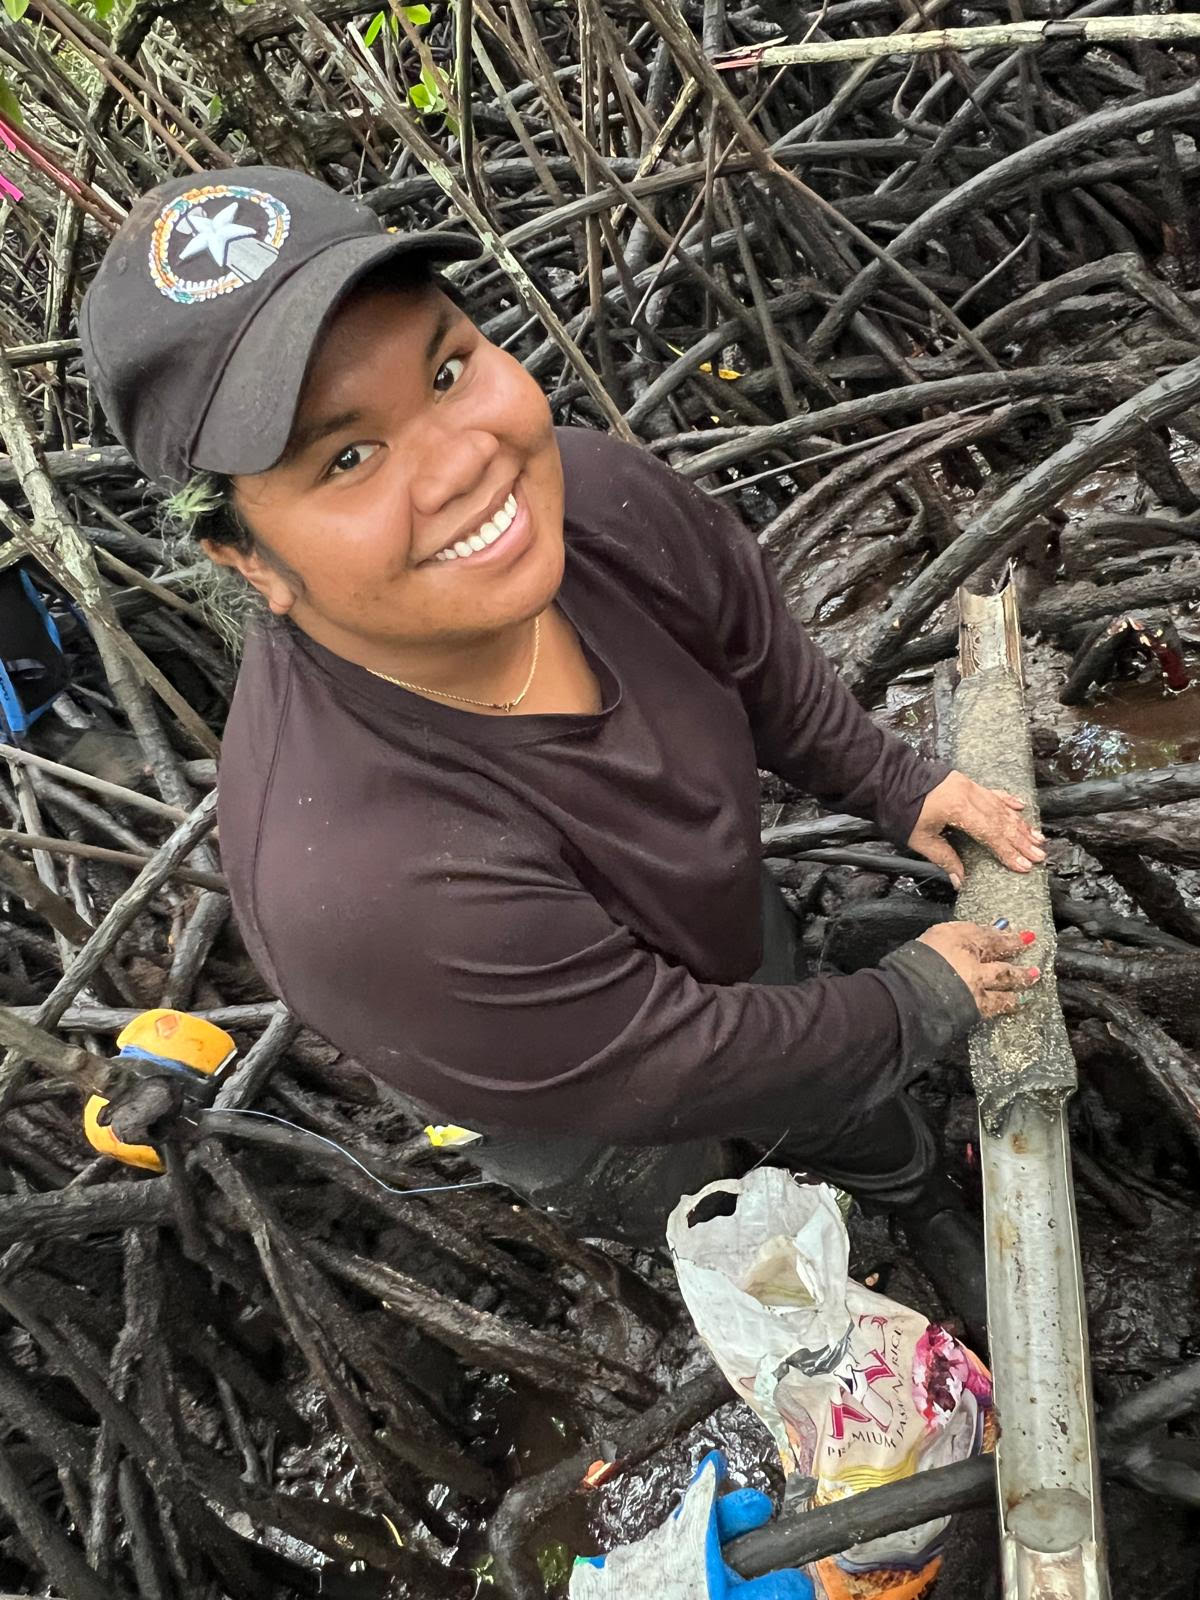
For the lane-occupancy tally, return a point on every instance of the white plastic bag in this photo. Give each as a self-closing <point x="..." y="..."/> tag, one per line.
<point x="856" y="1390"/>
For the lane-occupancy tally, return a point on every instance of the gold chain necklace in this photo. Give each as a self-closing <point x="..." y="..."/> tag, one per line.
<point x="465" y="700"/>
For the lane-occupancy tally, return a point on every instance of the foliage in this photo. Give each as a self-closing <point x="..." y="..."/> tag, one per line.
<point x="427" y="94"/>
<point x="101" y="10"/>
<point x="10" y="106"/>
<point x="417" y="15"/>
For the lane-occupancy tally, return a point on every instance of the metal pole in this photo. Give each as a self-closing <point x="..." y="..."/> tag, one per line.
<point x="1051" y="1533"/>
<point x="1051" y="1528"/>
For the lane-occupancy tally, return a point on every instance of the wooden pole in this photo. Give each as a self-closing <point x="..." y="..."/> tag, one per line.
<point x="1002" y="36"/>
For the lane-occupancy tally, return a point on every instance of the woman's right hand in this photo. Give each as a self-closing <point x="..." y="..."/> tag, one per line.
<point x="988" y="962"/>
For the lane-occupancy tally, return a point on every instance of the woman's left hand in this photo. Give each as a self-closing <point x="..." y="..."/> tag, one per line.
<point x="989" y="815"/>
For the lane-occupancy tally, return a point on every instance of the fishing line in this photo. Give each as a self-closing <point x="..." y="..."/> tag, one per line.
<point x="320" y="1138"/>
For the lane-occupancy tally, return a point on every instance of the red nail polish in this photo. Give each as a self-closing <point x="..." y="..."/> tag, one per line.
<point x="1028" y="938"/>
<point x="1035" y="972"/>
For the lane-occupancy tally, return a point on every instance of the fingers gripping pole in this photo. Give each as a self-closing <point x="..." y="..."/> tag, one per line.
<point x="1052" y="1541"/>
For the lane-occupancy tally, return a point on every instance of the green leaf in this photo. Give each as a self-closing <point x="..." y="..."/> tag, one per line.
<point x="374" y="29"/>
<point x="418" y="15"/>
<point x="215" y="107"/>
<point x="16" y="8"/>
<point x="103" y="9"/>
<point x="420" y="97"/>
<point x="430" y="80"/>
<point x="554" y="1564"/>
<point x="10" y="106"/>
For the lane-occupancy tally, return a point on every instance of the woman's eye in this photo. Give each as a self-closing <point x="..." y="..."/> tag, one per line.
<point x="448" y="374"/>
<point x="352" y="456"/>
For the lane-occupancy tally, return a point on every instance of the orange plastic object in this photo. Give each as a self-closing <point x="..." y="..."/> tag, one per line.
<point x="176" y="1036"/>
<point x="598" y="1473"/>
<point x="179" y="1036"/>
<point x="106" y="1142"/>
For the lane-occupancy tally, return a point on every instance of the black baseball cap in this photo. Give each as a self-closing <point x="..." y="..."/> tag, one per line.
<point x="201" y="321"/>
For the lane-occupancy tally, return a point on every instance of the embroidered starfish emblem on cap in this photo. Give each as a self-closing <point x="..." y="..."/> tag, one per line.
<point x="239" y="252"/>
<point x="214" y="234"/>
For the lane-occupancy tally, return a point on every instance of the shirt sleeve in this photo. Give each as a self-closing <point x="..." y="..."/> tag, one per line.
<point x="807" y="725"/>
<point x="500" y="993"/>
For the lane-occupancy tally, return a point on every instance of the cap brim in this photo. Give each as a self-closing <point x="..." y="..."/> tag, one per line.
<point x="248" y="422"/>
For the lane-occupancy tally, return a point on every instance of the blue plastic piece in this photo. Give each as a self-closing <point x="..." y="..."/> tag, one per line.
<point x="39" y="605"/>
<point x="135" y="1052"/>
<point x="15" y="717"/>
<point x="733" y="1514"/>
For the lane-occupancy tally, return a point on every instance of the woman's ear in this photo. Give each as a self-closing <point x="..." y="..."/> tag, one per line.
<point x="277" y="589"/>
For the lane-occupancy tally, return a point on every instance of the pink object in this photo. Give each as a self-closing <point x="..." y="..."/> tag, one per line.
<point x="942" y="1369"/>
<point x="7" y="187"/>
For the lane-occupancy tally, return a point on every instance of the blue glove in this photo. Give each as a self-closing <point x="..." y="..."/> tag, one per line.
<point x="681" y="1560"/>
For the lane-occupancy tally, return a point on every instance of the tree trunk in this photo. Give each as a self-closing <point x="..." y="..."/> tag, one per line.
<point x="251" y="101"/>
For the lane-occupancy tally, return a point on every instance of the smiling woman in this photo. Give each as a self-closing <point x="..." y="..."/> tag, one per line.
<point x="489" y="788"/>
<point x="413" y="523"/>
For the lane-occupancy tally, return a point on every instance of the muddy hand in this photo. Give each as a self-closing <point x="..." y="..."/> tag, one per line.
<point x="987" y="961"/>
<point x="989" y="815"/>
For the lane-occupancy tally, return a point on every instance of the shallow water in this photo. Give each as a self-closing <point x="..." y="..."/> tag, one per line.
<point x="1132" y="726"/>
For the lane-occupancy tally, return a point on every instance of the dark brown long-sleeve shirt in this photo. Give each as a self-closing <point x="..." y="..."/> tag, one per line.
<point x="546" y="922"/>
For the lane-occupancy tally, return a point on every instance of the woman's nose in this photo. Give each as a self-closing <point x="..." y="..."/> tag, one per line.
<point x="450" y="463"/>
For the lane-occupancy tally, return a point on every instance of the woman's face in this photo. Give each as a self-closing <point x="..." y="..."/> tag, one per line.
<point x="419" y="501"/>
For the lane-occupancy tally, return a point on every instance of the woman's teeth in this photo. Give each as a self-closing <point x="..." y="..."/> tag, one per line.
<point x="488" y="534"/>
